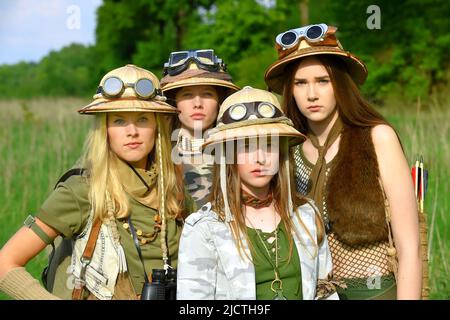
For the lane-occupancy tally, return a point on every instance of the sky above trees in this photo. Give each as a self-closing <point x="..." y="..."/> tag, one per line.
<point x="30" y="29"/>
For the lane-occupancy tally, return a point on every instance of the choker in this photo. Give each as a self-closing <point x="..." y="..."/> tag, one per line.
<point x="251" y="201"/>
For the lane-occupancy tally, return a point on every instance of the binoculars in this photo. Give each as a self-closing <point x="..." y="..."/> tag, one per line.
<point x="162" y="287"/>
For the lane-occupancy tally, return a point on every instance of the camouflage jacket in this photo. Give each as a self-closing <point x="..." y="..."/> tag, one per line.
<point x="197" y="168"/>
<point x="198" y="181"/>
<point x="210" y="267"/>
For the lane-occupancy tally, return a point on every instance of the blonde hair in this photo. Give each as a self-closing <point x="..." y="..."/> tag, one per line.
<point x="104" y="180"/>
<point x="279" y="188"/>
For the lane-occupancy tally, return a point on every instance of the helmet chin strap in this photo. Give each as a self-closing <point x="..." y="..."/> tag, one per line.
<point x="223" y="183"/>
<point x="161" y="193"/>
<point x="286" y="165"/>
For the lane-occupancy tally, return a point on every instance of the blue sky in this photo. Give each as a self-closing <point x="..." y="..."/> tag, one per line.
<point x="30" y="29"/>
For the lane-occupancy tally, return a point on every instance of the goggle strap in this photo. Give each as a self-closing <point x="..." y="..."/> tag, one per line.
<point x="330" y="31"/>
<point x="329" y="41"/>
<point x="249" y="111"/>
<point x="192" y="54"/>
<point x="173" y="71"/>
<point x="283" y="120"/>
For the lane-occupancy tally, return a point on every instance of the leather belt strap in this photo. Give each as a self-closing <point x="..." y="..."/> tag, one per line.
<point x="77" y="293"/>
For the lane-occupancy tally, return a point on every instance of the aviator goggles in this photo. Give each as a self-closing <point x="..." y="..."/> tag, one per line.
<point x="113" y="87"/>
<point x="312" y="33"/>
<point x="243" y="111"/>
<point x="205" y="59"/>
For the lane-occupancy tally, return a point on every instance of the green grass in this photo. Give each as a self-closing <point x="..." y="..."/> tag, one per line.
<point x="425" y="130"/>
<point x="40" y="139"/>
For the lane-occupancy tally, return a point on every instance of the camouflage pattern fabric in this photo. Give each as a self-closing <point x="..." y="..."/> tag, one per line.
<point x="210" y="267"/>
<point x="198" y="181"/>
<point x="197" y="168"/>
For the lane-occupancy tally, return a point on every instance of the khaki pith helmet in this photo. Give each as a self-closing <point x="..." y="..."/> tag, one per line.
<point x="253" y="126"/>
<point x="128" y="100"/>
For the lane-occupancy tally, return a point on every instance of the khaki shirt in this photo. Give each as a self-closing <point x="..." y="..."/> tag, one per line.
<point x="67" y="211"/>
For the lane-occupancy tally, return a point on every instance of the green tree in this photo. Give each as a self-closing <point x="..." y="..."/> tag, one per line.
<point x="71" y="71"/>
<point x="243" y="34"/>
<point x="409" y="54"/>
<point x="143" y="32"/>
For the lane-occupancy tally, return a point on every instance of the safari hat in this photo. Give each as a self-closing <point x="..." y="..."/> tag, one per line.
<point x="126" y="82"/>
<point x="327" y="44"/>
<point x="193" y="75"/>
<point x="254" y="125"/>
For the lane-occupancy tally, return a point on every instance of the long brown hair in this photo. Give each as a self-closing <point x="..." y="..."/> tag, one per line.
<point x="279" y="187"/>
<point x="353" y="109"/>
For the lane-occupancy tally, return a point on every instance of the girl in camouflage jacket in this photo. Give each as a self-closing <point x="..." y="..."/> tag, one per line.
<point x="195" y="82"/>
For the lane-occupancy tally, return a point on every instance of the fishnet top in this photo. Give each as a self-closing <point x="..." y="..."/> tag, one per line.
<point x="349" y="262"/>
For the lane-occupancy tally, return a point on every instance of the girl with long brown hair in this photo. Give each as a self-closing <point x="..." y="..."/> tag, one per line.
<point x="255" y="239"/>
<point x="352" y="165"/>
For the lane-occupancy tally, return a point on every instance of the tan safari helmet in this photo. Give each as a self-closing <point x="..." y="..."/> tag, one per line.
<point x="129" y="100"/>
<point x="253" y="126"/>
<point x="195" y="76"/>
<point x="328" y="45"/>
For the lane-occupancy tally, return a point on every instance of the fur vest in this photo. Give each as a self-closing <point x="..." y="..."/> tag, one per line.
<point x="354" y="198"/>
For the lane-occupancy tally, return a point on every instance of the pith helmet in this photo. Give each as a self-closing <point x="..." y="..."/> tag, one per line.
<point x="128" y="88"/>
<point x="251" y="113"/>
<point x="196" y="67"/>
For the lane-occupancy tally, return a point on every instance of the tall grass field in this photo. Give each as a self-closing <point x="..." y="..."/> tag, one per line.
<point x="41" y="139"/>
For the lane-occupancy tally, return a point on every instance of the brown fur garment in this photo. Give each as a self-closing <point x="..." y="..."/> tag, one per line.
<point x="355" y="203"/>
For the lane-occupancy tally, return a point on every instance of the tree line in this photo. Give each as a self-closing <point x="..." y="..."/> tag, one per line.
<point x="407" y="56"/>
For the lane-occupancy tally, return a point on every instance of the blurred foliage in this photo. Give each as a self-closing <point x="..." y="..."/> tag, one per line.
<point x="68" y="72"/>
<point x="143" y="31"/>
<point x="407" y="57"/>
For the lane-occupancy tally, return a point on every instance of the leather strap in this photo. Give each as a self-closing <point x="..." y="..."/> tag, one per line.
<point x="69" y="173"/>
<point x="318" y="173"/>
<point x="88" y="252"/>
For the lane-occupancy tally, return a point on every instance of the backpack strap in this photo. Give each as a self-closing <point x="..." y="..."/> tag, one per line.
<point x="69" y="173"/>
<point x="88" y="252"/>
<point x="48" y="283"/>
